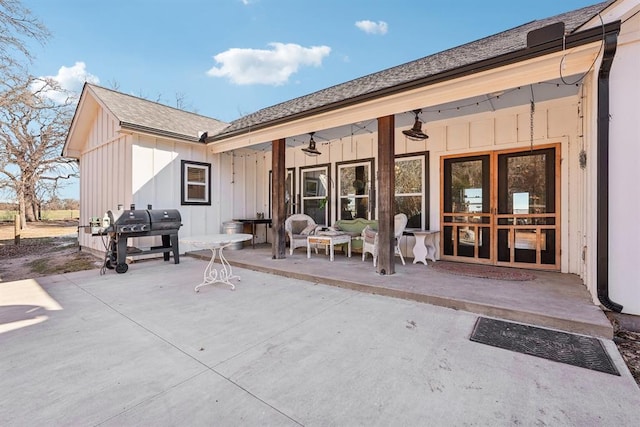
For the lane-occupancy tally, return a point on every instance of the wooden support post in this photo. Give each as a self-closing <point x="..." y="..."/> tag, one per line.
<point x="278" y="206"/>
<point x="386" y="195"/>
<point x="16" y="238"/>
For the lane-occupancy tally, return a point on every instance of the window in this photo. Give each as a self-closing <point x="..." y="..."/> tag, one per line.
<point x="196" y="183"/>
<point x="354" y="188"/>
<point x="411" y="191"/>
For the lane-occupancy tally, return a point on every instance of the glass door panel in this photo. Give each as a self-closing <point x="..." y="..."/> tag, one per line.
<point x="289" y="191"/>
<point x="354" y="189"/>
<point x="314" y="193"/>
<point x="526" y="217"/>
<point x="467" y="203"/>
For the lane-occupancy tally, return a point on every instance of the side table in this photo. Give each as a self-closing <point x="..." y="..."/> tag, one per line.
<point x="425" y="246"/>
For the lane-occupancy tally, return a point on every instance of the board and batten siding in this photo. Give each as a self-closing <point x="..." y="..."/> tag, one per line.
<point x="156" y="180"/>
<point x="105" y="180"/>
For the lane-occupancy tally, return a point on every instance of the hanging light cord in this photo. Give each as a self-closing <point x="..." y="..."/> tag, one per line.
<point x="531" y="113"/>
<point x="592" y="64"/>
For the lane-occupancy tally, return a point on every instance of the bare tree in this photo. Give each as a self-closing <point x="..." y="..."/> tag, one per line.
<point x="16" y="25"/>
<point x="33" y="129"/>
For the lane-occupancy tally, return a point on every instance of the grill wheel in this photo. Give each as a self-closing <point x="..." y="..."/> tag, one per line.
<point x="122" y="268"/>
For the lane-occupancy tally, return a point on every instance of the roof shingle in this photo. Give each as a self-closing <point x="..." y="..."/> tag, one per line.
<point x="141" y="113"/>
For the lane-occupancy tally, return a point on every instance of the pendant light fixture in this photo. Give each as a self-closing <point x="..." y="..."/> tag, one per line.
<point x="416" y="131"/>
<point x="311" y="150"/>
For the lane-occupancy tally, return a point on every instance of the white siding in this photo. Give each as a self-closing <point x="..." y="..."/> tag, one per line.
<point x="624" y="174"/>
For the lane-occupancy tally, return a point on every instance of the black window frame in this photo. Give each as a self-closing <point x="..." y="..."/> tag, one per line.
<point x="184" y="165"/>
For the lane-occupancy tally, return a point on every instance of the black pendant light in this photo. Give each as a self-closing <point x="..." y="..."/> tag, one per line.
<point x="416" y="131"/>
<point x="311" y="150"/>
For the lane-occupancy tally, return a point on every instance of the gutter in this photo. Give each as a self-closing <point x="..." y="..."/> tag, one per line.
<point x="157" y="132"/>
<point x="602" y="198"/>
<point x="573" y="40"/>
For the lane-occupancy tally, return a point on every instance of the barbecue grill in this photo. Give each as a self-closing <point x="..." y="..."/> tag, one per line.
<point x="123" y="224"/>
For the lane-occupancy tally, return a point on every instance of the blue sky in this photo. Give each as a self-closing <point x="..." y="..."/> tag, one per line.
<point x="227" y="58"/>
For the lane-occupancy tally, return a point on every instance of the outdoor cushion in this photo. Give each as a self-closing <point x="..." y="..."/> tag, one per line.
<point x="298" y="226"/>
<point x="309" y="229"/>
<point x="354" y="227"/>
<point x="369" y="234"/>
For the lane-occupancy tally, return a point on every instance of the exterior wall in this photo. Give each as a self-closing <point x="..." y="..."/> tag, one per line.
<point x="624" y="174"/>
<point x="156" y="180"/>
<point x="103" y="170"/>
<point x="123" y="169"/>
<point x="556" y="121"/>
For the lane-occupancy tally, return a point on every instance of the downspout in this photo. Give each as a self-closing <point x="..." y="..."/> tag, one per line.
<point x="602" y="199"/>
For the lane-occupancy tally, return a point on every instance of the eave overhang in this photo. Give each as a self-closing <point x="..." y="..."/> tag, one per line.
<point x="525" y="66"/>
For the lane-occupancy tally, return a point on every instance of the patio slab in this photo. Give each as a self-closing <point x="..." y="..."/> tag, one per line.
<point x="143" y="348"/>
<point x="552" y="300"/>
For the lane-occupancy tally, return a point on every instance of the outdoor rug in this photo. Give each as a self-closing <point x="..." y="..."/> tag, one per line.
<point x="577" y="350"/>
<point x="482" y="271"/>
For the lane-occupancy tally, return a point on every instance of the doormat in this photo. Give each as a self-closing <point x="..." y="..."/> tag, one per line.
<point x="482" y="271"/>
<point x="576" y="350"/>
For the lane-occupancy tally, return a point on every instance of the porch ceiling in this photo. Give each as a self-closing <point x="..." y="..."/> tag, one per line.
<point x="512" y="97"/>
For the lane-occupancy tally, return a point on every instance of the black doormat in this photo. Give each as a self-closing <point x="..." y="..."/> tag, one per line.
<point x="577" y="350"/>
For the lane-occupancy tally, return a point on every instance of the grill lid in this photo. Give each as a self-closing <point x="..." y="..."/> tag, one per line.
<point x="129" y="221"/>
<point x="165" y="219"/>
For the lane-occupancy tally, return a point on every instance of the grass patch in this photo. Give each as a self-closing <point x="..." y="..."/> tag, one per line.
<point x="39" y="266"/>
<point x="76" y="261"/>
<point x="47" y="215"/>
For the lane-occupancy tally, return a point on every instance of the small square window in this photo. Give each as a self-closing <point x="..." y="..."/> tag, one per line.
<point x="195" y="183"/>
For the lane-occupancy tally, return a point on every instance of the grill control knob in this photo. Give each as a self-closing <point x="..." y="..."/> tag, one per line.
<point x="143" y="228"/>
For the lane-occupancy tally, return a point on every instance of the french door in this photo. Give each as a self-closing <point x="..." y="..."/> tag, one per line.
<point x="314" y="193"/>
<point x="502" y="208"/>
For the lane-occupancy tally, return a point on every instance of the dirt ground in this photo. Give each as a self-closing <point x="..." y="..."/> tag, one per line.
<point x="51" y="247"/>
<point x="46" y="248"/>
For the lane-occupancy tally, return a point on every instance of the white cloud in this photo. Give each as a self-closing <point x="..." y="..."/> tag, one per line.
<point x="269" y="67"/>
<point x="371" y="27"/>
<point x="71" y="80"/>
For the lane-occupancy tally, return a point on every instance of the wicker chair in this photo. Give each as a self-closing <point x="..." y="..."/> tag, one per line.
<point x="298" y="227"/>
<point x="370" y="239"/>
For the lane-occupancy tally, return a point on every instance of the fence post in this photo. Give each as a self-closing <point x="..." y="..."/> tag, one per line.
<point x="16" y="239"/>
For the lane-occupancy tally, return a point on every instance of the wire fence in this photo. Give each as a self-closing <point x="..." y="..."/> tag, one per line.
<point x="46" y="215"/>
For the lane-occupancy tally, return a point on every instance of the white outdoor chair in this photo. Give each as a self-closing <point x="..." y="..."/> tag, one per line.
<point x="370" y="239"/>
<point x="298" y="227"/>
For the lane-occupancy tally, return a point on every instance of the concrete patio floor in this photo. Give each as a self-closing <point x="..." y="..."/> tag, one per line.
<point x="143" y="348"/>
<point x="552" y="300"/>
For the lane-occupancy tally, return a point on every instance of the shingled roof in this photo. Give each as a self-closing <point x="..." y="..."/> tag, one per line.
<point x="382" y="82"/>
<point x="140" y="114"/>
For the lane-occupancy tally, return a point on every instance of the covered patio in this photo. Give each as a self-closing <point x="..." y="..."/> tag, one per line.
<point x="547" y="299"/>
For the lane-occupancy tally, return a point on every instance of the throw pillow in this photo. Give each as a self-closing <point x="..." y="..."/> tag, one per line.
<point x="369" y="234"/>
<point x="309" y="229"/>
<point x="298" y="226"/>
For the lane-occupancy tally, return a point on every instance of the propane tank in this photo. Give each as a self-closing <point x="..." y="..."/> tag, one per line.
<point x="106" y="222"/>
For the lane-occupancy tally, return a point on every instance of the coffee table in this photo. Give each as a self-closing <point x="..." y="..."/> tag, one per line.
<point x="329" y="241"/>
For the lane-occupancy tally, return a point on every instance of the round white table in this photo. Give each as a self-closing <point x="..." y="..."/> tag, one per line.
<point x="216" y="243"/>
